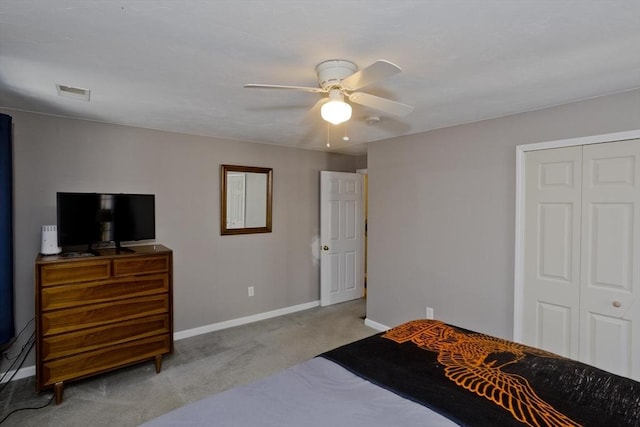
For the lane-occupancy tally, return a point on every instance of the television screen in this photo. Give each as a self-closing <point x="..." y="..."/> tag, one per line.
<point x="78" y="218"/>
<point x="87" y="218"/>
<point x="134" y="217"/>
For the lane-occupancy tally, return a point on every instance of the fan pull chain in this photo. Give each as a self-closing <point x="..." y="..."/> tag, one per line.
<point x="328" y="130"/>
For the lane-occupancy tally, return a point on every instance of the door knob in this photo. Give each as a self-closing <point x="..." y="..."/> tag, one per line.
<point x="617" y="304"/>
<point x="325" y="248"/>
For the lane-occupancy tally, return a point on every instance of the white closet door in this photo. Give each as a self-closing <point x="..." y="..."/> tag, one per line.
<point x="552" y="250"/>
<point x="610" y="261"/>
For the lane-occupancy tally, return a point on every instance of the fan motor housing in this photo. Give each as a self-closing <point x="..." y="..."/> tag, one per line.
<point x="331" y="72"/>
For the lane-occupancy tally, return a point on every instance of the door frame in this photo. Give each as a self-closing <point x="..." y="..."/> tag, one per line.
<point x="521" y="150"/>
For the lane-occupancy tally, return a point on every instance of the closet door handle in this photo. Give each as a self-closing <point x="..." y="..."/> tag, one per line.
<point x="617" y="304"/>
<point x="325" y="248"/>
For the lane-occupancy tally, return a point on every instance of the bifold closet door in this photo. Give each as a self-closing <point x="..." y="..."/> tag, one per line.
<point x="552" y="250"/>
<point x="582" y="254"/>
<point x="610" y="258"/>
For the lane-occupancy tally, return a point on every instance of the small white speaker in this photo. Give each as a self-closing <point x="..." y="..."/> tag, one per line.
<point x="50" y="240"/>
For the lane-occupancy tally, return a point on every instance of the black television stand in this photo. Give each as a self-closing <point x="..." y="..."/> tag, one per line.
<point x="123" y="250"/>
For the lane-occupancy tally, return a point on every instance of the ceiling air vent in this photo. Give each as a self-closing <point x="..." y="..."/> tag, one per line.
<point x="73" y="92"/>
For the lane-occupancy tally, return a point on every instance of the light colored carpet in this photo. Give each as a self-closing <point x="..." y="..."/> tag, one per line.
<point x="198" y="367"/>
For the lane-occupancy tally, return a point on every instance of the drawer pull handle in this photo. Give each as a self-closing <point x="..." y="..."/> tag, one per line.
<point x="617" y="304"/>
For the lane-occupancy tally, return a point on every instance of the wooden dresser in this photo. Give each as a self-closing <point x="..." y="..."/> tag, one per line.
<point x="95" y="314"/>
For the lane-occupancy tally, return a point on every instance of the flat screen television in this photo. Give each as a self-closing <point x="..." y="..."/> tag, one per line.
<point x="91" y="218"/>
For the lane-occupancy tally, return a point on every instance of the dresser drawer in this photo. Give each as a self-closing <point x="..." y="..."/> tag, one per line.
<point x="74" y="272"/>
<point x="58" y="346"/>
<point x="66" y="296"/>
<point x="73" y="319"/>
<point x="140" y="265"/>
<point x="104" y="359"/>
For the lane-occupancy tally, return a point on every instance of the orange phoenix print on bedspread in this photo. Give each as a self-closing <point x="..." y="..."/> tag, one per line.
<point x="475" y="361"/>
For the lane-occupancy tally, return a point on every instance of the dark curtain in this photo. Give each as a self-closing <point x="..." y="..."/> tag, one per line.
<point x="7" y="330"/>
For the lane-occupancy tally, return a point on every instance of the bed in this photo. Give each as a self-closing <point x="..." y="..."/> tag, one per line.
<point x="424" y="373"/>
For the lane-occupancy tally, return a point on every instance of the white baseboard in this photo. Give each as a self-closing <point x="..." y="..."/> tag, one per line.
<point x="375" y="325"/>
<point x="243" y="320"/>
<point x="30" y="371"/>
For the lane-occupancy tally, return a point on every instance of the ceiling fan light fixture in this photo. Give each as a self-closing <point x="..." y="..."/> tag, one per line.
<point x="339" y="79"/>
<point x="336" y="112"/>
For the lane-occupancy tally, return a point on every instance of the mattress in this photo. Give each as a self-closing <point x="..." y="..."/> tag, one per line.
<point x="315" y="393"/>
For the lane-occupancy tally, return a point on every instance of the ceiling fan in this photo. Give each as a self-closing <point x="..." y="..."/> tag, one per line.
<point x="341" y="79"/>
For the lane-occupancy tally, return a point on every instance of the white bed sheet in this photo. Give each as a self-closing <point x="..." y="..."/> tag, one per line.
<point x="317" y="392"/>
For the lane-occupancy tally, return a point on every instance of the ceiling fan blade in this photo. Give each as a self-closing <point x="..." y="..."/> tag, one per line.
<point x="380" y="104"/>
<point x="301" y="88"/>
<point x="379" y="70"/>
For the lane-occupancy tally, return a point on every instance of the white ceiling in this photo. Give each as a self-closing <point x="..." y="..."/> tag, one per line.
<point x="180" y="65"/>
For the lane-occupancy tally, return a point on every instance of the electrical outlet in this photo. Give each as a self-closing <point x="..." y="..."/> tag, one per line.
<point x="251" y="291"/>
<point x="429" y="312"/>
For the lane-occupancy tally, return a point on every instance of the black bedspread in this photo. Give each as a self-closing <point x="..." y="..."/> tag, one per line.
<point x="479" y="380"/>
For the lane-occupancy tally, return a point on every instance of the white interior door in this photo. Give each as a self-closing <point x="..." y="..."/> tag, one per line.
<point x="236" y="185"/>
<point x="341" y="237"/>
<point x="552" y="250"/>
<point x="610" y="288"/>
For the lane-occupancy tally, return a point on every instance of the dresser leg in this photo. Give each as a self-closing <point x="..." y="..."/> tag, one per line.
<point x="158" y="363"/>
<point x="58" y="388"/>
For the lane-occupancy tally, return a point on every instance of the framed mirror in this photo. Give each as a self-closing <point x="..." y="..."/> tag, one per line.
<point x="245" y="199"/>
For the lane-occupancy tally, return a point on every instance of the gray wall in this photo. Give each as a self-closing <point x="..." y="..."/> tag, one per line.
<point x="442" y="212"/>
<point x="361" y="162"/>
<point x="211" y="272"/>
